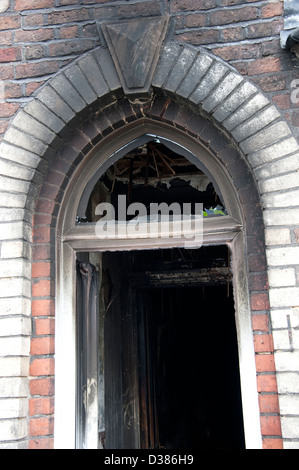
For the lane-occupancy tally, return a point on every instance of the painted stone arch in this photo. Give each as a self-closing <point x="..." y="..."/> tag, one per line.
<point x="40" y="151"/>
<point x="205" y="82"/>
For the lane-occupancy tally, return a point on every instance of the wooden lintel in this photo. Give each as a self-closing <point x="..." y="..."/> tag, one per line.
<point x="207" y="276"/>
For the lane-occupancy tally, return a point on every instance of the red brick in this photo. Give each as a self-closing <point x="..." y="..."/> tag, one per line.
<point x="41" y="252"/>
<point x="42" y="307"/>
<point x="34" y="35"/>
<point x="32" y="86"/>
<point x="265" y="363"/>
<point x="191" y="5"/>
<point x="260" y="322"/>
<point x="269" y="403"/>
<point x="42" y="345"/>
<point x="8" y="109"/>
<point x="232" y="34"/>
<point x="236" y="15"/>
<point x="241" y="67"/>
<point x="33" y="4"/>
<point x="258" y="281"/>
<point x="6" y="38"/>
<point x="42" y="219"/>
<point x="6" y="72"/>
<point x="46" y="206"/>
<point x="68" y="32"/>
<point x="49" y="191"/>
<point x="240" y="52"/>
<point x="10" y="22"/>
<point x="195" y="20"/>
<point x="42" y="367"/>
<point x="41" y="235"/>
<point x="144" y="8"/>
<point x="45" y="326"/>
<point x="259" y="301"/>
<point x="42" y="288"/>
<point x="283" y="101"/>
<point x="33" y="20"/>
<point x="270" y="426"/>
<point x="41" y="269"/>
<point x="41" y="406"/>
<point x="13" y="90"/>
<point x="202" y="36"/>
<point x="273" y="9"/>
<point x="55" y="177"/>
<point x="62" y="48"/>
<point x="41" y="426"/>
<point x="44" y="387"/>
<point x="267" y="383"/>
<point x="274" y="443"/>
<point x="44" y="443"/>
<point x="3" y="126"/>
<point x="275" y="82"/>
<point x="262" y="30"/>
<point x="34" y="51"/>
<point x="265" y="65"/>
<point x="270" y="47"/>
<point x="68" y="16"/>
<point x="10" y="54"/>
<point x="263" y="343"/>
<point x="36" y="69"/>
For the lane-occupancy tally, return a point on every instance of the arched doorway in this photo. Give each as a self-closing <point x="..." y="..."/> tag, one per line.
<point x="77" y="237"/>
<point x="70" y="133"/>
<point x="158" y="379"/>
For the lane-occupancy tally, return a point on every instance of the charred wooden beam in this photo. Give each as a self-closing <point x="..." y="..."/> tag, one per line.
<point x="162" y="279"/>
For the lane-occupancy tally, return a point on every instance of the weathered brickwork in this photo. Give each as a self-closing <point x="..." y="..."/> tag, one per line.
<point x="38" y="38"/>
<point x="244" y="85"/>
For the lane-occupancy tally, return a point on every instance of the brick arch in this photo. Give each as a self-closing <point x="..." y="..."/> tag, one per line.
<point x="117" y="116"/>
<point x="43" y="146"/>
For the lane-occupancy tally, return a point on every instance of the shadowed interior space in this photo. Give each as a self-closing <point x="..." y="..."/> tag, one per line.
<point x="173" y="313"/>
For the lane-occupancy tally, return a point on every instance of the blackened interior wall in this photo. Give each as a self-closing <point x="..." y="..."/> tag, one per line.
<point x="195" y="368"/>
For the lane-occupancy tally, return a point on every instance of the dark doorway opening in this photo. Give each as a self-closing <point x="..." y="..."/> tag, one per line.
<point x="192" y="373"/>
<point x="171" y="354"/>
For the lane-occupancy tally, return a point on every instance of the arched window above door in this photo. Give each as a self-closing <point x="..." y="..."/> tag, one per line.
<point x="176" y="143"/>
<point x="154" y="173"/>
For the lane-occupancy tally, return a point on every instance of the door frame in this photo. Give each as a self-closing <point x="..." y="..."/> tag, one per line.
<point x="72" y="238"/>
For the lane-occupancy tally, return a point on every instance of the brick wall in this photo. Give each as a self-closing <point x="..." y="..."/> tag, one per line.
<point x="246" y="34"/>
<point x="39" y="39"/>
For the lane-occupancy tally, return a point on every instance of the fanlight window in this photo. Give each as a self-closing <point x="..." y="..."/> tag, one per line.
<point x="151" y="174"/>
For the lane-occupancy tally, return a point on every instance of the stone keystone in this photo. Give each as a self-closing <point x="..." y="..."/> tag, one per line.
<point x="135" y="46"/>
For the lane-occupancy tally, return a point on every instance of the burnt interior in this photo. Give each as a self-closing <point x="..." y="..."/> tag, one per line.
<point x="153" y="173"/>
<point x="194" y="369"/>
<point x="170" y="358"/>
<point x="181" y="354"/>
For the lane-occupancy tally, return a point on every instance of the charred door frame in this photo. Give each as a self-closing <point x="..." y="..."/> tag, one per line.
<point x="72" y="239"/>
